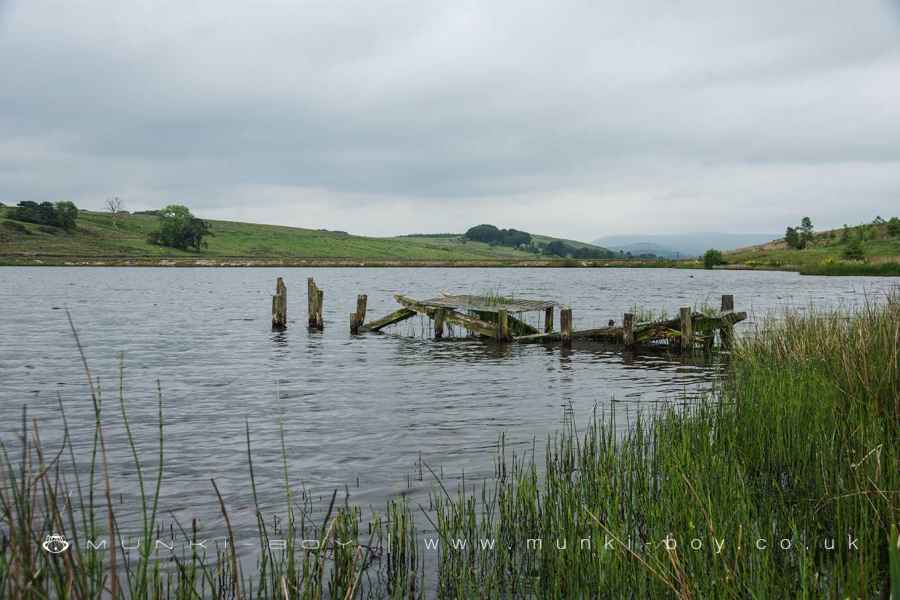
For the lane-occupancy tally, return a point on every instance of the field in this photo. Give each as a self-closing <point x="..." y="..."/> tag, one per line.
<point x="785" y="482"/>
<point x="100" y="238"/>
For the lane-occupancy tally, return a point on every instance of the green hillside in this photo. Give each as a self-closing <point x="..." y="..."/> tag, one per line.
<point x="868" y="249"/>
<point x="99" y="236"/>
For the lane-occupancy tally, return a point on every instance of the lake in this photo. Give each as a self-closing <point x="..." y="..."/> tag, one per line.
<point x="357" y="412"/>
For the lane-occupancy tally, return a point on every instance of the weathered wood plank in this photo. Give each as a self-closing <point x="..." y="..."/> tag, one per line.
<point x="395" y="317"/>
<point x="451" y="316"/>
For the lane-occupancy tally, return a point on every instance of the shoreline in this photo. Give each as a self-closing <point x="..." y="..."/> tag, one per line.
<point x="54" y="260"/>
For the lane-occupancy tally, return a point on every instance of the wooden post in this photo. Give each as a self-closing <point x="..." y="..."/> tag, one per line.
<point x="311" y="297"/>
<point x="359" y="317"/>
<point x="565" y="326"/>
<point x="628" y="330"/>
<point x="548" y="319"/>
<point x="279" y="306"/>
<point x="687" y="329"/>
<point x="726" y="333"/>
<point x="320" y="302"/>
<point x="727" y="302"/>
<point x="502" y="325"/>
<point x="438" y="324"/>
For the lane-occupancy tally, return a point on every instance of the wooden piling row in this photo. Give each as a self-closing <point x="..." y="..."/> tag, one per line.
<point x="279" y="306"/>
<point x="684" y="333"/>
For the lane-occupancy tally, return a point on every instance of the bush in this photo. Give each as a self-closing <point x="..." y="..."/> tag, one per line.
<point x="854" y="251"/>
<point x="178" y="228"/>
<point x="713" y="258"/>
<point x="893" y="227"/>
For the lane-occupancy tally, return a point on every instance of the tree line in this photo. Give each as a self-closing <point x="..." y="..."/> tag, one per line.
<point x="522" y="240"/>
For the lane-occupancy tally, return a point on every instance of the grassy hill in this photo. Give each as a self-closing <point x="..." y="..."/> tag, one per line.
<point x="827" y="253"/>
<point x="101" y="239"/>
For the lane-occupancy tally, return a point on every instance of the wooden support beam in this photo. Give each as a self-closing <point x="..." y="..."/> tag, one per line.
<point x="451" y="316"/>
<point x="687" y="329"/>
<point x="359" y="317"/>
<point x="548" y="320"/>
<point x="503" y="326"/>
<point x="726" y="333"/>
<point x="628" y="330"/>
<point x="395" y="317"/>
<point x="565" y="326"/>
<point x="312" y="296"/>
<point x="438" y="324"/>
<point x="320" y="303"/>
<point x="279" y="306"/>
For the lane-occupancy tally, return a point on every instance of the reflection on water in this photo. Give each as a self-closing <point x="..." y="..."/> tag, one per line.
<point x="356" y="411"/>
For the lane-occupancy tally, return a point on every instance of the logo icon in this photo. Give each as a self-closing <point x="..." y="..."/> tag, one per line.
<point x="55" y="544"/>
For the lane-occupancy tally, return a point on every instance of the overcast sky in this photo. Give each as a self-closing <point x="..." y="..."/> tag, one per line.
<point x="577" y="119"/>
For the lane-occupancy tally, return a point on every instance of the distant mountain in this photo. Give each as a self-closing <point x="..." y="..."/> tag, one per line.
<point x="682" y="245"/>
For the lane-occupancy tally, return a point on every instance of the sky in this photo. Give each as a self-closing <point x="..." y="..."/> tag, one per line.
<point x="574" y="119"/>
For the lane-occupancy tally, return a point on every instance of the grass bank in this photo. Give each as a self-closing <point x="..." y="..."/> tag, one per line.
<point x="785" y="483"/>
<point x="101" y="239"/>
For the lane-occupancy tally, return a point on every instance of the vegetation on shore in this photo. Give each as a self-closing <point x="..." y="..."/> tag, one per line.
<point x="785" y="482"/>
<point x="118" y="237"/>
<point x="866" y="249"/>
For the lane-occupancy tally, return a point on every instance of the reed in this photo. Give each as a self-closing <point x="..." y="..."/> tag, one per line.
<point x="797" y="446"/>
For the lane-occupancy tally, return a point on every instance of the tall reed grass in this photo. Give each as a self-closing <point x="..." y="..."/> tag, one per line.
<point x="797" y="451"/>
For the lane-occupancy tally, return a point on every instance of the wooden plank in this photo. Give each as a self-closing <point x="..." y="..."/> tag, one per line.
<point x="451" y="316"/>
<point x="395" y="317"/>
<point x="548" y="320"/>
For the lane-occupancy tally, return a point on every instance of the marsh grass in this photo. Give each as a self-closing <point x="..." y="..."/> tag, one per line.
<point x="798" y="445"/>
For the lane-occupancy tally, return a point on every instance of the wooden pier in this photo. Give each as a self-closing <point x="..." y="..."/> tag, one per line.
<point x="504" y="320"/>
<point x="501" y="319"/>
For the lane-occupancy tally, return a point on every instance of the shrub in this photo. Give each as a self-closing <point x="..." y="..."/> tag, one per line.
<point x="713" y="258"/>
<point x="893" y="227"/>
<point x="854" y="251"/>
<point x="178" y="228"/>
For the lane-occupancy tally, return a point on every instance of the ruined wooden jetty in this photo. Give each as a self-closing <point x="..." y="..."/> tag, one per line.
<point x="501" y="319"/>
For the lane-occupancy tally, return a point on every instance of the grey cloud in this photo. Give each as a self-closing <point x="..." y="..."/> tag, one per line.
<point x="609" y="115"/>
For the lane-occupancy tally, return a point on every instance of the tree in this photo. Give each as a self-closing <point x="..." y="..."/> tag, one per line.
<point x="62" y="214"/>
<point x="792" y="238"/>
<point x="893" y="227"/>
<point x="66" y="214"/>
<point x="178" y="228"/>
<point x="114" y="206"/>
<point x="712" y="258"/>
<point x="558" y="248"/>
<point x="806" y="231"/>
<point x="854" y="251"/>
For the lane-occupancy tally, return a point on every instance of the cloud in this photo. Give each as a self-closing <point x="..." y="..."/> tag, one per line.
<point x="575" y="118"/>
